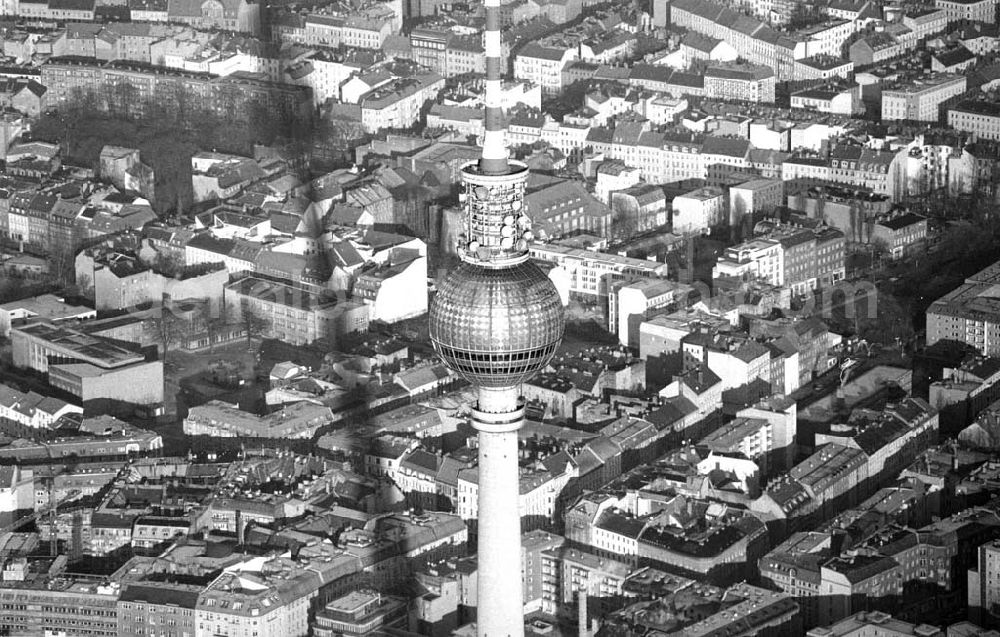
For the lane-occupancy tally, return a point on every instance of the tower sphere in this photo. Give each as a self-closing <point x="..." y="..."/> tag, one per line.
<point x="496" y="327"/>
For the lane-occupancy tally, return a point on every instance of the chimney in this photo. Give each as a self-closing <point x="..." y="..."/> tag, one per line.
<point x="582" y="611"/>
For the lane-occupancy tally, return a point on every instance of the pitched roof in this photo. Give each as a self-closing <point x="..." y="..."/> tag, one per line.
<point x="536" y="50"/>
<point x="700" y="42"/>
<point x="700" y="378"/>
<point x="343" y="254"/>
<point x="730" y="146"/>
<point x="421" y="461"/>
<point x="650" y="72"/>
<point x="958" y="55"/>
<point x="72" y="5"/>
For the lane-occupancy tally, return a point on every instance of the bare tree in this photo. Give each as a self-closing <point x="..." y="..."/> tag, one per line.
<point x="121" y="99"/>
<point x="624" y="223"/>
<point x="254" y="323"/>
<point x="209" y="321"/>
<point x="167" y="328"/>
<point x="879" y="251"/>
<point x="62" y="263"/>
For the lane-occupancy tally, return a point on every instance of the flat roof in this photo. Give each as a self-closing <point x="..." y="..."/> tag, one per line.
<point x="286" y="294"/>
<point x="539" y="251"/>
<point x="46" y="306"/>
<point x="856" y="390"/>
<point x="99" y="351"/>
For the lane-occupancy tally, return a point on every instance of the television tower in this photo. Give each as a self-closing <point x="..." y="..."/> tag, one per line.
<point x="496" y="320"/>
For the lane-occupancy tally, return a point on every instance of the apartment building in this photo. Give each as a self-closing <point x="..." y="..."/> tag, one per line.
<point x="323" y="71"/>
<point x="823" y="67"/>
<point x="565" y="208"/>
<point x="590" y="274"/>
<point x="695" y="46"/>
<point x="751" y="437"/>
<point x="970" y="313"/>
<point x="925" y="22"/>
<point x="392" y="291"/>
<point x="920" y="100"/>
<point x="629" y="302"/>
<point x="335" y="30"/>
<point x="37" y="609"/>
<point x="661" y="157"/>
<point x="834" y="100"/>
<point x="543" y="65"/>
<point x="297" y="314"/>
<point x="643" y="205"/>
<point x="538" y="494"/>
<point x="758" y="259"/>
<point x="699" y="211"/>
<point x="740" y="82"/>
<point x="400" y="102"/>
<point x="797" y="258"/>
<point x="753" y="40"/>
<point x="56" y="10"/>
<point x="754" y="196"/>
<point x="33" y="410"/>
<point x="902" y="234"/>
<point x="984" y="590"/>
<point x="878" y="47"/>
<point x="969" y="10"/>
<point x="219" y="419"/>
<point x="157" y="84"/>
<point x="981" y="118"/>
<point x="882" y="172"/>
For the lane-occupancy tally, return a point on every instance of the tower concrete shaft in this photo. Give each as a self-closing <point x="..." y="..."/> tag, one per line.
<point x="500" y="610"/>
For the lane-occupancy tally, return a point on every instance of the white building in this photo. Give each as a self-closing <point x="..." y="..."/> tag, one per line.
<point x="758" y="259"/>
<point x="351" y="31"/>
<point x="538" y="494"/>
<point x="969" y="10"/>
<point x="590" y="274"/>
<point x="629" y="303"/>
<point x="16" y="489"/>
<point x="754" y="196"/>
<point x="823" y="68"/>
<point x="984" y="579"/>
<point x="543" y="66"/>
<point x="612" y="176"/>
<point x="740" y="82"/>
<point x="396" y="291"/>
<point x="45" y="306"/>
<point x="698" y="211"/>
<point x="921" y="99"/>
<point x="837" y="101"/>
<point x="736" y="367"/>
<point x="782" y="415"/>
<point x="33" y="410"/>
<point x="926" y="22"/>
<point x="827" y="38"/>
<point x="399" y="104"/>
<point x="695" y="46"/>
<point x="323" y="72"/>
<point x="981" y="118"/>
<point x="207" y="249"/>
